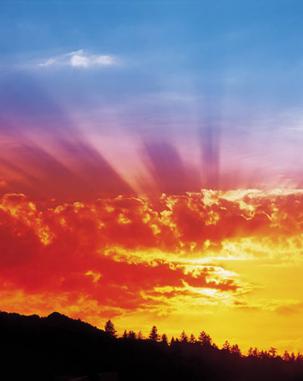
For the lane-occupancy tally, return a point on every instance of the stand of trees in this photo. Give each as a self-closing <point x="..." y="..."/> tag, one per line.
<point x="57" y="348"/>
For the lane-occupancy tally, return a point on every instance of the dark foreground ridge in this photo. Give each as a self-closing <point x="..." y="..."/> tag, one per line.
<point x="59" y="348"/>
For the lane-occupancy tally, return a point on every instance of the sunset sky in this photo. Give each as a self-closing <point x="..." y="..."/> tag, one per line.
<point x="151" y="165"/>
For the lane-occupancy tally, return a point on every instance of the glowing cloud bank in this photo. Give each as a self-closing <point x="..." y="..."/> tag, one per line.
<point x="118" y="256"/>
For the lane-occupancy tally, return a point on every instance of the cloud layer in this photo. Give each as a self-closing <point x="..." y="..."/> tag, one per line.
<point x="79" y="59"/>
<point x="122" y="254"/>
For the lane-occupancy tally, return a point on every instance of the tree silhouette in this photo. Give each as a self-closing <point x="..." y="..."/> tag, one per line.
<point x="110" y="329"/>
<point x="172" y="341"/>
<point x="164" y="339"/>
<point x="226" y="346"/>
<point x="192" y="339"/>
<point x="183" y="337"/>
<point x="272" y="352"/>
<point x="154" y="336"/>
<point x="131" y="335"/>
<point x="252" y="352"/>
<point x="293" y="356"/>
<point x="286" y="356"/>
<point x="204" y="339"/>
<point x="235" y="350"/>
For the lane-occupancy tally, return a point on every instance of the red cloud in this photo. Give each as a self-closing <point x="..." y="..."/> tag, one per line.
<point x="69" y="250"/>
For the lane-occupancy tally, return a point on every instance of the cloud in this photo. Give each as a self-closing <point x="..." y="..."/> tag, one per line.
<point x="293" y="307"/>
<point x="122" y="254"/>
<point x="94" y="254"/>
<point x="79" y="59"/>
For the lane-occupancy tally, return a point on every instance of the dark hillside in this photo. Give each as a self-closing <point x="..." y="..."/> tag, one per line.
<point x="59" y="348"/>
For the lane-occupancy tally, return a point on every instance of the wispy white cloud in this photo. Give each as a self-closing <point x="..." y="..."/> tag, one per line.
<point x="79" y="59"/>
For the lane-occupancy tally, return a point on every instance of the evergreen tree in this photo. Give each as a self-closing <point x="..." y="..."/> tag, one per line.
<point x="286" y="356"/>
<point x="272" y="352"/>
<point x="164" y="339"/>
<point x="154" y="336"/>
<point x="131" y="335"/>
<point x="110" y="329"/>
<point x="172" y="342"/>
<point x="183" y="337"/>
<point x="226" y="346"/>
<point x="204" y="339"/>
<point x="299" y="357"/>
<point x="235" y="350"/>
<point x="253" y="352"/>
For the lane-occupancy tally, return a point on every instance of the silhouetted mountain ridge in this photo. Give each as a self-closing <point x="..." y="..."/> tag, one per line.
<point x="54" y="320"/>
<point x="57" y="347"/>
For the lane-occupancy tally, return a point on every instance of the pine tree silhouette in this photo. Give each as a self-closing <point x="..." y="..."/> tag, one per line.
<point x="235" y="350"/>
<point x="164" y="339"/>
<point x="124" y="336"/>
<point x="154" y="336"/>
<point x="204" y="339"/>
<point x="226" y="346"/>
<point x="110" y="329"/>
<point x="183" y="337"/>
<point x="131" y="335"/>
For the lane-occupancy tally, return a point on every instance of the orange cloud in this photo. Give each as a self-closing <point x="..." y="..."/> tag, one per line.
<point x="126" y="253"/>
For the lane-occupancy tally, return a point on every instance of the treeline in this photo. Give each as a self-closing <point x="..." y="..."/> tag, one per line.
<point x="205" y="341"/>
<point x="57" y="348"/>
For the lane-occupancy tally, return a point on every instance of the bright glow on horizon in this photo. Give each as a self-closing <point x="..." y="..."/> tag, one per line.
<point x="124" y="259"/>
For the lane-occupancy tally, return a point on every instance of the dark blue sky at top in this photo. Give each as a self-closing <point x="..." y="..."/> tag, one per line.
<point x="243" y="53"/>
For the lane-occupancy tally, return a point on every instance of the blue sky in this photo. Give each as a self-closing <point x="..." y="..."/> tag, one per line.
<point x="255" y="41"/>
<point x="159" y="68"/>
<point x="247" y="47"/>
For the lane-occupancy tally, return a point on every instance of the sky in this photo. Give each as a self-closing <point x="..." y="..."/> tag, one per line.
<point x="151" y="167"/>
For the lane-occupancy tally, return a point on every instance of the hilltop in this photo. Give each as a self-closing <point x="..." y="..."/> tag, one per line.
<point x="57" y="347"/>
